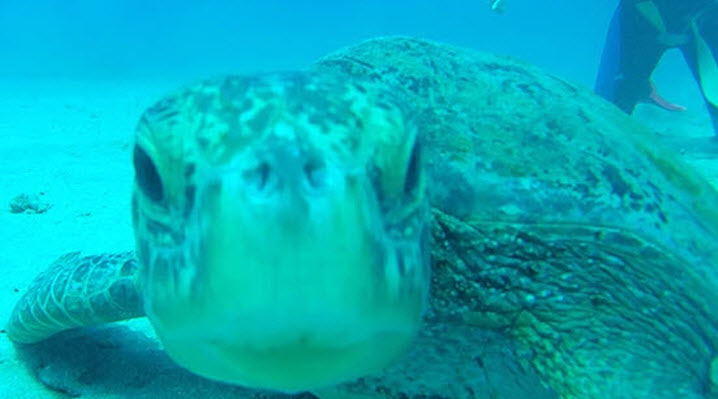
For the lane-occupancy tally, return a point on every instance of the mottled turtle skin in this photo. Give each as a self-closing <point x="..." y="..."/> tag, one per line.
<point x="571" y="256"/>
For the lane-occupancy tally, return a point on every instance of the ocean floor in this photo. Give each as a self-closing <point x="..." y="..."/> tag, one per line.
<point x="67" y="146"/>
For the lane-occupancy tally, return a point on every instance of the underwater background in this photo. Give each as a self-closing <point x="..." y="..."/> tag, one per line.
<point x="75" y="76"/>
<point x="181" y="40"/>
<point x="133" y="39"/>
<point x="119" y="39"/>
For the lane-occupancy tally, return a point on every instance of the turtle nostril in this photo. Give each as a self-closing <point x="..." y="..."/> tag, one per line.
<point x="316" y="175"/>
<point x="258" y="178"/>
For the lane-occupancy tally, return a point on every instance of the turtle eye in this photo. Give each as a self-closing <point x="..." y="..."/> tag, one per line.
<point x="146" y="175"/>
<point x="411" y="180"/>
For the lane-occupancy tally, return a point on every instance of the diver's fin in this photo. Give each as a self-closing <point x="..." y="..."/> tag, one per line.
<point x="656" y="99"/>
<point x="707" y="67"/>
<point x="649" y="11"/>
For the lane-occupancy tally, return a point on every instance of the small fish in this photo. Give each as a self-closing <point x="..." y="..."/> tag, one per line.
<point x="497" y="5"/>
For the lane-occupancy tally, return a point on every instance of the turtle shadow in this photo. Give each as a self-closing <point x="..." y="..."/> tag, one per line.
<point x="115" y="360"/>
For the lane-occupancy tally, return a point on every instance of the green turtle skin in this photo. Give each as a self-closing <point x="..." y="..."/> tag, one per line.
<point x="563" y="238"/>
<point x="77" y="291"/>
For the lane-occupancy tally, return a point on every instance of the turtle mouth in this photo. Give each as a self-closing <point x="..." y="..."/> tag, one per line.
<point x="294" y="366"/>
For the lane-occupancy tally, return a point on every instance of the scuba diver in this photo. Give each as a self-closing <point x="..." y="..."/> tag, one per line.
<point x="639" y="33"/>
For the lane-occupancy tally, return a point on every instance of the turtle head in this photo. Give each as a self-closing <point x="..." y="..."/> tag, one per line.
<point x="281" y="225"/>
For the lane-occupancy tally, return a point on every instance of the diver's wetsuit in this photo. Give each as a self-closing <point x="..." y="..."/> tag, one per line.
<point x="635" y="44"/>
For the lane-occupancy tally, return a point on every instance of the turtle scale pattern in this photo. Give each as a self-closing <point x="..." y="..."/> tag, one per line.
<point x="558" y="221"/>
<point x="569" y="252"/>
<point x="78" y="291"/>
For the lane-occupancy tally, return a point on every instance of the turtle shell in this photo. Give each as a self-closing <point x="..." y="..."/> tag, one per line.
<point x="568" y="247"/>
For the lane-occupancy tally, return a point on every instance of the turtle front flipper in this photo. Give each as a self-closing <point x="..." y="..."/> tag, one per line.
<point x="77" y="291"/>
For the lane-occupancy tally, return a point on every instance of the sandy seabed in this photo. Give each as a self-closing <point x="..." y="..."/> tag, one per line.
<point x="69" y="142"/>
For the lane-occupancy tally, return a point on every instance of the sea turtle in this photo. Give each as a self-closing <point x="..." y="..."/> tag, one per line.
<point x="285" y="224"/>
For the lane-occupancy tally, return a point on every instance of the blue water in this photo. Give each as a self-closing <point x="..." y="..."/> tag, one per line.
<point x="193" y="39"/>
<point x="179" y="38"/>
